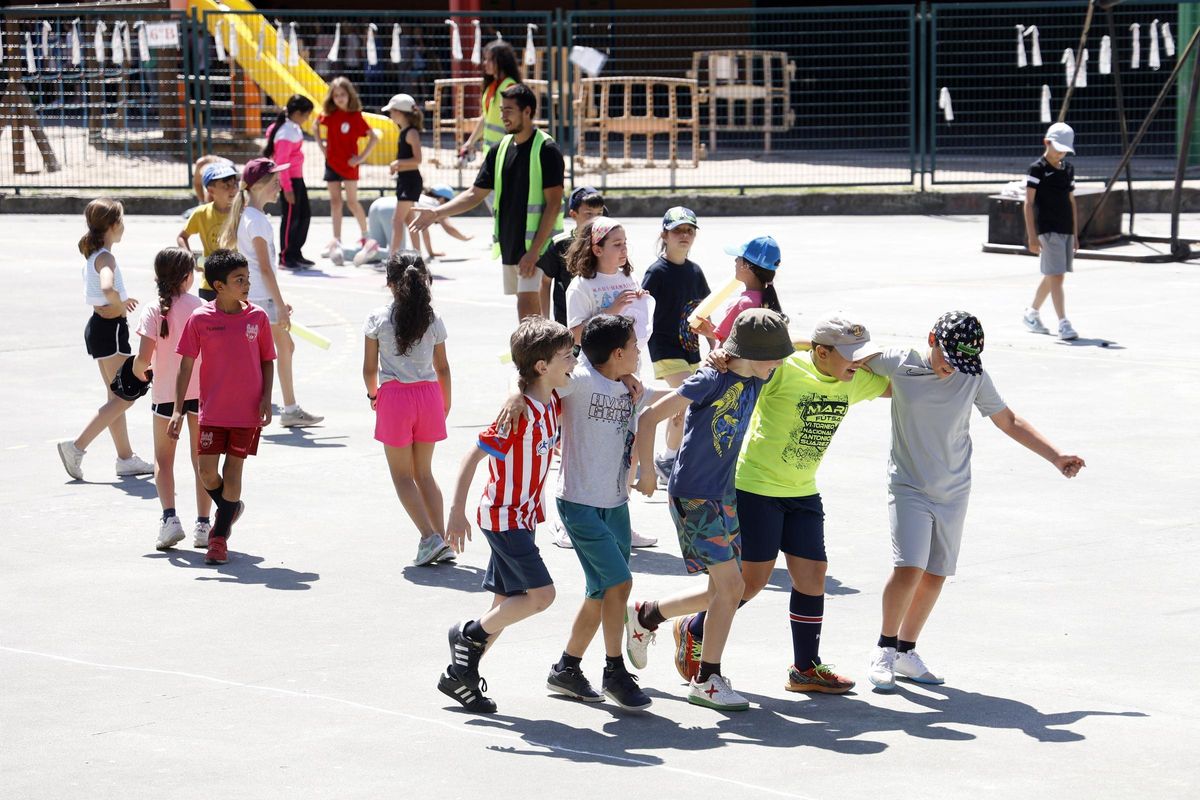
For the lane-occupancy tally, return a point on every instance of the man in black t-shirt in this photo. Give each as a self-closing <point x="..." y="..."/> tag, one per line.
<point x="528" y="203"/>
<point x="1050" y="225"/>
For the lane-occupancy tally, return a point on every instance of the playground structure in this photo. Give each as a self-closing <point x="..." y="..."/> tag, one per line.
<point x="747" y="91"/>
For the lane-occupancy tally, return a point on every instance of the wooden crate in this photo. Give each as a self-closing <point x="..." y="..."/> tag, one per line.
<point x="606" y="106"/>
<point x="745" y="91"/>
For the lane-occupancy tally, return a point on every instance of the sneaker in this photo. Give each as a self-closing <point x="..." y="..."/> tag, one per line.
<point x="72" y="458"/>
<point x="170" y="533"/>
<point x="430" y="550"/>
<point x="910" y="667"/>
<point x="560" y="537"/>
<point x="638" y="540"/>
<point x="821" y="678"/>
<point x="379" y="266"/>
<point x="292" y="265"/>
<point x="687" y="649"/>
<point x="1033" y="321"/>
<point x="200" y="535"/>
<point x="882" y="669"/>
<point x="305" y="261"/>
<point x="298" y="418"/>
<point x="218" y="551"/>
<point x="331" y="248"/>
<point x="448" y="555"/>
<point x="572" y="683"/>
<point x="337" y="256"/>
<point x="469" y="691"/>
<point x="637" y="637"/>
<point x="464" y="653"/>
<point x="366" y="252"/>
<point x="1065" y="331"/>
<point x="717" y="692"/>
<point x="133" y="465"/>
<point x="662" y="468"/>
<point x="620" y="686"/>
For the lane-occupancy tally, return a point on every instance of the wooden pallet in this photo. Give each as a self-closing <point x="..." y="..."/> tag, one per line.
<point x="606" y="106"/>
<point x="745" y="91"/>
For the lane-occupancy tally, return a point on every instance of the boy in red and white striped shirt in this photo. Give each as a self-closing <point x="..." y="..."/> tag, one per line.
<point x="511" y="506"/>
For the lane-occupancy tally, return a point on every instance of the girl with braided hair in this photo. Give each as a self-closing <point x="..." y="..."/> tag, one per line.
<point x="160" y="327"/>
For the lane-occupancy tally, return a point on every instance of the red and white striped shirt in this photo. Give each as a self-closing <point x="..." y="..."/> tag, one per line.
<point x="517" y="469"/>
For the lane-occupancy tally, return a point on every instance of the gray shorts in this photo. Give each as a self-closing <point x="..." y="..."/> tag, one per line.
<point x="1058" y="253"/>
<point x="925" y="533"/>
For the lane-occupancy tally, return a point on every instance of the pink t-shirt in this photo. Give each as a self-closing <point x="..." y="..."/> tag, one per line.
<point x="165" y="361"/>
<point x="234" y="347"/>
<point x="748" y="299"/>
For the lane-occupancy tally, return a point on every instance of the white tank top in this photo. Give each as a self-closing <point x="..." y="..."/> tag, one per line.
<point x="91" y="281"/>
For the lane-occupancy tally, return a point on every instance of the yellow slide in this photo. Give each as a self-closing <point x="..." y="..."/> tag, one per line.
<point x="279" y="81"/>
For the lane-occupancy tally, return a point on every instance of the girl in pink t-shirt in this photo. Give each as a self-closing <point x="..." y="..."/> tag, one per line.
<point x="160" y="327"/>
<point x="755" y="264"/>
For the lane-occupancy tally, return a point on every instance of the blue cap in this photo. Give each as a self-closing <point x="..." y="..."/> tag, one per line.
<point x="679" y="215"/>
<point x="218" y="171"/>
<point x="443" y="191"/>
<point x="761" y="252"/>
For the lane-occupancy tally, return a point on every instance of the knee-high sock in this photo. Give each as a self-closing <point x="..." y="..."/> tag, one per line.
<point x="807" y="614"/>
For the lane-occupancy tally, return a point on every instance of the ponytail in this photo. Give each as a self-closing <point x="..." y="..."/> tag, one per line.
<point x="172" y="266"/>
<point x="416" y="118"/>
<point x="228" y="238"/>
<point x="100" y="215"/>
<point x="412" y="301"/>
<point x="770" y="298"/>
<point x="269" y="148"/>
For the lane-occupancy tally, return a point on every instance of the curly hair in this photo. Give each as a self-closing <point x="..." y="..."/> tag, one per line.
<point x="581" y="261"/>
<point x="101" y="214"/>
<point x="172" y="266"/>
<point x="412" y="301"/>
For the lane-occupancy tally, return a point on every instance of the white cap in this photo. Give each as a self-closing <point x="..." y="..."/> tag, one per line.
<point x="1061" y="137"/>
<point x="400" y="102"/>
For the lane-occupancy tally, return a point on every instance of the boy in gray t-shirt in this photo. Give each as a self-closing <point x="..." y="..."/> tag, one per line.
<point x="929" y="478"/>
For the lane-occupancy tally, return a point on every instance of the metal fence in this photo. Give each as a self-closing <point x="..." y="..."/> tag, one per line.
<point x="718" y="99"/>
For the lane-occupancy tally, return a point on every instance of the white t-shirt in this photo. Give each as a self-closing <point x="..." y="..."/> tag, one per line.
<point x="254" y="224"/>
<point x="598" y="423"/>
<point x="165" y="361"/>
<point x="414" y="366"/>
<point x="587" y="297"/>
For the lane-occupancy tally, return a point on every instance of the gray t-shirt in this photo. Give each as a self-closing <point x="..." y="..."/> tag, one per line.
<point x="931" y="425"/>
<point x="599" y="420"/>
<point x="414" y="366"/>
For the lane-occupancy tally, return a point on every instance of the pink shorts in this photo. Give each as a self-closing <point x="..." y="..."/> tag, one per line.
<point x="409" y="412"/>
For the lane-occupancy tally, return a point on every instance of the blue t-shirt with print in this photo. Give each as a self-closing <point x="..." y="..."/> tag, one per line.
<point x="713" y="429"/>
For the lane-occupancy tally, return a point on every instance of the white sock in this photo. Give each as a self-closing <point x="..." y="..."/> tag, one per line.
<point x="291" y="409"/>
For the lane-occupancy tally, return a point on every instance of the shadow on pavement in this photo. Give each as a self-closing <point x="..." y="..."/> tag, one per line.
<point x="657" y="562"/>
<point x="302" y="437"/>
<point x="142" y="487"/>
<point x="242" y="568"/>
<point x="446" y="575"/>
<point x="1106" y="344"/>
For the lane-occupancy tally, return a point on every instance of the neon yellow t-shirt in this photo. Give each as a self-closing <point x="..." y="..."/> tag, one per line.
<point x="797" y="414"/>
<point x="206" y="221"/>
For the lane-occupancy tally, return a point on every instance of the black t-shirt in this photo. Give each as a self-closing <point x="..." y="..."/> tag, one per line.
<point x="553" y="263"/>
<point x="677" y="289"/>
<point x="515" y="196"/>
<point x="1052" y="196"/>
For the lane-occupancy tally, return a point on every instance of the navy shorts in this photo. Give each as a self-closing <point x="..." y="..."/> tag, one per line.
<point x="516" y="565"/>
<point x="795" y="525"/>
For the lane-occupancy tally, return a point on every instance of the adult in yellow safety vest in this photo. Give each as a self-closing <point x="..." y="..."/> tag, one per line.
<point x="526" y="172"/>
<point x="500" y="71"/>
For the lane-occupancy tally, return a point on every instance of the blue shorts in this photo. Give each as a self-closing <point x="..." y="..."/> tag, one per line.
<point x="601" y="537"/>
<point x="708" y="531"/>
<point x="795" y="525"/>
<point x="516" y="565"/>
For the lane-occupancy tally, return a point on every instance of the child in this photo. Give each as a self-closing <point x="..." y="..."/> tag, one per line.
<point x="511" y="507"/>
<point x="380" y="219"/>
<point x="584" y="205"/>
<point x="701" y="490"/>
<point x="344" y="125"/>
<point x="285" y="144"/>
<point x="228" y="335"/>
<point x="929" y="479"/>
<point x="677" y="286"/>
<point x="221" y="186"/>
<point x="249" y="229"/>
<point x="404" y="112"/>
<point x="106" y="336"/>
<point x="1052" y="225"/>
<point x="405" y="341"/>
<point x="755" y="264"/>
<point x="198" y="187"/>
<point x="598" y="424"/>
<point x="160" y="328"/>
<point x="603" y="282"/>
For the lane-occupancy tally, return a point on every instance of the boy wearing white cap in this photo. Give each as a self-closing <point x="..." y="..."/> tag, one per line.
<point x="1051" y="225"/>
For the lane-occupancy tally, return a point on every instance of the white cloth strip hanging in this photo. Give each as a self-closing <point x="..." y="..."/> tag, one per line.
<point x="46" y="28"/>
<point x="372" y="54"/>
<point x="30" y="62"/>
<point x="1068" y="58"/>
<point x="1083" y="66"/>
<point x="476" y="48"/>
<point x="1045" y="109"/>
<point x="455" y="41"/>
<point x="337" y="43"/>
<point x="499" y="37"/>
<point x="293" y="46"/>
<point x="1154" y="61"/>
<point x="1105" y="55"/>
<point x="100" y="41"/>
<point x="945" y="104"/>
<point x="76" y="47"/>
<point x="234" y="40"/>
<point x="125" y="41"/>
<point x="1035" y="49"/>
<point x="1022" y="61"/>
<point x="1168" y="39"/>
<point x="280" y="55"/>
<point x="218" y="37"/>
<point x="395" y="44"/>
<point x="262" y="40"/>
<point x="118" y="53"/>
<point x="143" y="41"/>
<point x="530" y="53"/>
<point x="1135" y="57"/>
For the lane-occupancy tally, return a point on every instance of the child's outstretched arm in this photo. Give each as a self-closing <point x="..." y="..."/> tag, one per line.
<point x="458" y="529"/>
<point x="1022" y="432"/>
<point x="449" y="228"/>
<point x="667" y="407"/>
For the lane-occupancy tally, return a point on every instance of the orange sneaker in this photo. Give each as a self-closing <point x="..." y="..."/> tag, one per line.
<point x="821" y="678"/>
<point x="687" y="649"/>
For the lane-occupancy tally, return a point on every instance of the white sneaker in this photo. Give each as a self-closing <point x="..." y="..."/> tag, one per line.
<point x="298" y="418"/>
<point x="337" y="256"/>
<point x="637" y="637"/>
<point x="170" y="533"/>
<point x="716" y="692"/>
<point x="133" y="466"/>
<point x="430" y="549"/>
<point x="200" y="535"/>
<point x="638" y="540"/>
<point x="1033" y="321"/>
<point x="561" y="539"/>
<point x="1065" y="331"/>
<point x="368" y="251"/>
<point x="882" y="670"/>
<point x="72" y="458"/>
<point x="909" y="665"/>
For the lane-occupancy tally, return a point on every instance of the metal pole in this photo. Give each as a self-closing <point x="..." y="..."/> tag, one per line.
<point x="1087" y="26"/>
<point x="1181" y="163"/>
<point x="1122" y="122"/>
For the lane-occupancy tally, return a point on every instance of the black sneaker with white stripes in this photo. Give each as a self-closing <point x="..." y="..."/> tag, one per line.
<point x="467" y="690"/>
<point x="464" y="652"/>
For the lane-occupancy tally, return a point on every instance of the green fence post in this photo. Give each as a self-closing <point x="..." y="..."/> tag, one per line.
<point x="1189" y="20"/>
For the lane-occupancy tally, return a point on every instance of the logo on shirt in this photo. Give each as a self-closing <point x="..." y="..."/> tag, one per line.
<point x="817" y="420"/>
<point x="546" y="443"/>
<point x="345" y="127"/>
<point x="206" y="439"/>
<point x="251" y="332"/>
<point x="605" y="408"/>
<point x="729" y="412"/>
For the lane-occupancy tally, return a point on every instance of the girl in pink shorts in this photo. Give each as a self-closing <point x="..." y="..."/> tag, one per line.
<point x="408" y="383"/>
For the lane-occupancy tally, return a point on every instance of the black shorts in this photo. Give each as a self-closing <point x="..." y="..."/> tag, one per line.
<point x="207" y="294"/>
<point x="106" y="338"/>
<point x="332" y="177"/>
<point x="408" y="186"/>
<point x="795" y="525"/>
<point x="516" y="565"/>
<point x="167" y="410"/>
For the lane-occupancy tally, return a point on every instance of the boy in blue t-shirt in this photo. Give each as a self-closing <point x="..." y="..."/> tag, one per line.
<point x="703" y="501"/>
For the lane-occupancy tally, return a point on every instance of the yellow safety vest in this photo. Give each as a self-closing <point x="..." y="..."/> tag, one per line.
<point x="537" y="197"/>
<point x="493" y="125"/>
